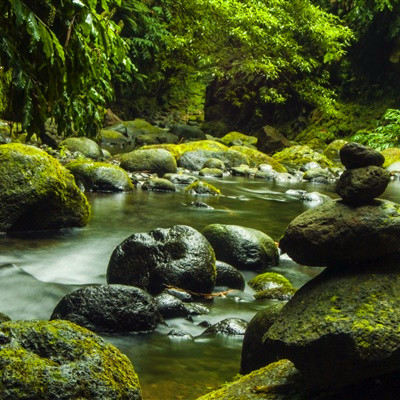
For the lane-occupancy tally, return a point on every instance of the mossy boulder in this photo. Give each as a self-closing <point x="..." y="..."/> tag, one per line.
<point x="203" y="189"/>
<point x="337" y="234"/>
<point x="268" y="280"/>
<point x="37" y="192"/>
<point x="181" y="178"/>
<point x="237" y="138"/>
<point x="159" y="185"/>
<point x="109" y="309"/>
<point x="214" y="163"/>
<point x="257" y="157"/>
<point x="157" y="161"/>
<point x="229" y="276"/>
<point x="254" y="355"/>
<point x="300" y="155"/>
<point x="211" y="172"/>
<point x="391" y="155"/>
<point x="100" y="176"/>
<point x="277" y="381"/>
<point x="83" y="145"/>
<point x="60" y="360"/>
<point x="244" y="248"/>
<point x="183" y="131"/>
<point x="179" y="256"/>
<point x="342" y="328"/>
<point x="243" y="170"/>
<point x="332" y="150"/>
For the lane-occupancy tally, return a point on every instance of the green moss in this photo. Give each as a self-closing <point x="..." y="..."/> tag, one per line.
<point x="391" y="155"/>
<point x="257" y="157"/>
<point x="269" y="280"/>
<point x="277" y="293"/>
<point x="232" y="137"/>
<point x="332" y="150"/>
<point x="202" y="188"/>
<point x="300" y="155"/>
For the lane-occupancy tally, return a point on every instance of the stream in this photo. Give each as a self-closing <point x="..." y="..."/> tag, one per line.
<point x="38" y="268"/>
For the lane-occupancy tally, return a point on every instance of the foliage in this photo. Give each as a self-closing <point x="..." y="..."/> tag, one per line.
<point x="385" y="135"/>
<point x="62" y="54"/>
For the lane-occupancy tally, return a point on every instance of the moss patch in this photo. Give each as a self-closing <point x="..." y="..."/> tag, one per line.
<point x="301" y="155"/>
<point x="202" y="188"/>
<point x="257" y="157"/>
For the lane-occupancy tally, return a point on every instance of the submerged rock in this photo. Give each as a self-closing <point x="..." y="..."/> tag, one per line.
<point x="109" y="309"/>
<point x="170" y="306"/>
<point x="228" y="275"/>
<point x="60" y="360"/>
<point x="244" y="248"/>
<point x="37" y="192"/>
<point x="179" y="256"/>
<point x="342" y="328"/>
<point x="228" y="326"/>
<point x="202" y="188"/>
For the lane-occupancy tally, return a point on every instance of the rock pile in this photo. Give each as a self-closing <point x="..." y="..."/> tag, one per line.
<point x="343" y="326"/>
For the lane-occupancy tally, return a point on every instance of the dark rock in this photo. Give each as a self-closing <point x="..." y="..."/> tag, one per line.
<point x="179" y="256"/>
<point x="181" y="179"/>
<point x="170" y="306"/>
<point x="36" y="192"/>
<point x="270" y="140"/>
<point x="4" y="318"/>
<point x="85" y="146"/>
<point x="229" y="276"/>
<point x="159" y="185"/>
<point x="318" y="175"/>
<point x="228" y="326"/>
<point x="60" y="360"/>
<point x="109" y="309"/>
<point x="244" y="248"/>
<point x="181" y="335"/>
<point x="341" y="328"/>
<point x="200" y="204"/>
<point x="187" y="132"/>
<point x="180" y="294"/>
<point x="254" y="354"/>
<point x="337" y="234"/>
<point x="110" y="118"/>
<point x="361" y="185"/>
<point x="355" y="155"/>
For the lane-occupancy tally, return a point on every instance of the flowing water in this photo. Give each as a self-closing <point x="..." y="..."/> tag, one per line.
<point x="38" y="269"/>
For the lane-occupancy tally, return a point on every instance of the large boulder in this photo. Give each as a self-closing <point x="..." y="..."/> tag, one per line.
<point x="179" y="256"/>
<point x="229" y="276"/>
<point x="83" y="145"/>
<point x="244" y="248"/>
<point x="239" y="139"/>
<point x="337" y="234"/>
<point x="100" y="177"/>
<point x="356" y="155"/>
<point x="270" y="140"/>
<point x="109" y="309"/>
<point x="183" y="131"/>
<point x="158" y="161"/>
<point x="342" y="328"/>
<point x="60" y="360"/>
<point x="37" y="192"/>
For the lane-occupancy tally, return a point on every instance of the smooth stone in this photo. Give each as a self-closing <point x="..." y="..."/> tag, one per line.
<point x="158" y="185"/>
<point x="229" y="276"/>
<point x="355" y="155"/>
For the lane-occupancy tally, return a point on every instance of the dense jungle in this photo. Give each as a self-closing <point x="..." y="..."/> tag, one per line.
<point x="199" y="199"/>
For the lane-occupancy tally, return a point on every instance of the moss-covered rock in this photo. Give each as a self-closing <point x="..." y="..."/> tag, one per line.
<point x="202" y="188"/>
<point x="214" y="163"/>
<point x="237" y="138"/>
<point x="37" y="192"/>
<point x="243" y="170"/>
<point x="332" y="150"/>
<point x="83" y="145"/>
<point x="155" y="160"/>
<point x="271" y="285"/>
<point x="211" y="172"/>
<point x="244" y="248"/>
<point x="100" y="176"/>
<point x="342" y="327"/>
<point x="60" y="360"/>
<point x="159" y="185"/>
<point x="257" y="157"/>
<point x="301" y="155"/>
<point x="391" y="155"/>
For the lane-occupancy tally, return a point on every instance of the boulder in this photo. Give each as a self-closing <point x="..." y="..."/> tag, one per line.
<point x="318" y="175"/>
<point x="362" y="185"/>
<point x="202" y="188"/>
<point x="332" y="151"/>
<point x="228" y="326"/>
<point x="159" y="185"/>
<point x="180" y="178"/>
<point x="183" y="131"/>
<point x="60" y="360"/>
<point x="83" y="145"/>
<point x="271" y="285"/>
<point x="342" y="328"/>
<point x="238" y="139"/>
<point x="243" y="170"/>
<point x="179" y="256"/>
<point x="270" y="140"/>
<point x="109" y="309"/>
<point x="355" y="155"/>
<point x="211" y="172"/>
<point x="229" y="276"/>
<point x="337" y="234"/>
<point x="254" y="354"/>
<point x="37" y="192"/>
<point x="100" y="177"/>
<point x="157" y="161"/>
<point x="285" y="177"/>
<point x="244" y="248"/>
<point x="170" y="306"/>
<point x="214" y="163"/>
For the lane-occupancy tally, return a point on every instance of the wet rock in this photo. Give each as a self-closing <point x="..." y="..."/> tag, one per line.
<point x="187" y="131"/>
<point x="100" y="177"/>
<point x="351" y="317"/>
<point x="271" y="285"/>
<point x="285" y="177"/>
<point x="157" y="161"/>
<point x="109" y="309"/>
<point x="243" y="170"/>
<point x="181" y="335"/>
<point x="60" y="360"/>
<point x="301" y="155"/>
<point x="36" y="192"/>
<point x="214" y="163"/>
<point x="232" y="138"/>
<point x="170" y="306"/>
<point x="229" y="276"/>
<point x="244" y="248"/>
<point x="202" y="188"/>
<point x="179" y="256"/>
<point x="85" y="146"/>
<point x="180" y="179"/>
<point x="337" y="234"/>
<point x="228" y="326"/>
<point x="362" y="185"/>
<point x="266" y="174"/>
<point x="159" y="185"/>
<point x="312" y="197"/>
<point x="211" y="172"/>
<point x="179" y="294"/>
<point x="200" y="204"/>
<point x="310" y="165"/>
<point x="318" y="175"/>
<point x="254" y="354"/>
<point x="355" y="155"/>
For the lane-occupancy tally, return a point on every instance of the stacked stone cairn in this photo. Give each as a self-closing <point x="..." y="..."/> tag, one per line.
<point x="343" y="326"/>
